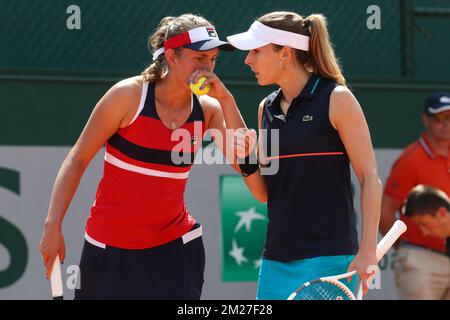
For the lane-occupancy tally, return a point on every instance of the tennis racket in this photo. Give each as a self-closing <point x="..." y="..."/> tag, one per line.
<point x="330" y="288"/>
<point x="56" y="280"/>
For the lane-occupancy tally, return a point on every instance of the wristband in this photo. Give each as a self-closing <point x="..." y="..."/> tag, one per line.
<point x="249" y="165"/>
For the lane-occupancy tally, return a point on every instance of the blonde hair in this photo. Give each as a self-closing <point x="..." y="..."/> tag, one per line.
<point x="169" y="27"/>
<point x="320" y="58"/>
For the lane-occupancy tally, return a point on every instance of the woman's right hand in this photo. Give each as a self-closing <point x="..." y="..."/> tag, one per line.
<point x="52" y="244"/>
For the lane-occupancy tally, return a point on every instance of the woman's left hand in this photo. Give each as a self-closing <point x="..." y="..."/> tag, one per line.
<point x="366" y="264"/>
<point x="218" y="89"/>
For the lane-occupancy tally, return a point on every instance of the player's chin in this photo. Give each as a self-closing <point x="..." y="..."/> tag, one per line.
<point x="261" y="81"/>
<point x="264" y="81"/>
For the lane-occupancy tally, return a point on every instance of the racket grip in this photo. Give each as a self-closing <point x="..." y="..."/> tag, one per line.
<point x="389" y="239"/>
<point x="56" y="280"/>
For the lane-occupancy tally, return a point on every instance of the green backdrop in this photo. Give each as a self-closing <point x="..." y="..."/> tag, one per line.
<point x="51" y="77"/>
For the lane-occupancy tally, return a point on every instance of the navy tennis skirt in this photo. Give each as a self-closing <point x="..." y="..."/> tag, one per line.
<point x="170" y="271"/>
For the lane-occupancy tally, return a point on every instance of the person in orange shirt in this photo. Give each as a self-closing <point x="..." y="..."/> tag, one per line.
<point x="426" y="161"/>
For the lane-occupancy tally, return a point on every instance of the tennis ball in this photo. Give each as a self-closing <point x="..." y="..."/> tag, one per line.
<point x="195" y="87"/>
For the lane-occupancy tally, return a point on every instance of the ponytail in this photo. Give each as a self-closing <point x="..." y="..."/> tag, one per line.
<point x="322" y="57"/>
<point x="154" y="72"/>
<point x="158" y="68"/>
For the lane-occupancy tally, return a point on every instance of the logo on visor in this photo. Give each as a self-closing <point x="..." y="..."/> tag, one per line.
<point x="211" y="32"/>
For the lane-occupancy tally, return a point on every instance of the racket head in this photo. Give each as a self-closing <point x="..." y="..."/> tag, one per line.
<point x="323" y="289"/>
<point x="317" y="290"/>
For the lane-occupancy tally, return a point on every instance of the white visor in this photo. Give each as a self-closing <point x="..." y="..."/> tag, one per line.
<point x="260" y="35"/>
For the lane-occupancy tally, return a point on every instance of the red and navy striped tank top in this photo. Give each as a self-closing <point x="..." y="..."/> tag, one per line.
<point x="139" y="202"/>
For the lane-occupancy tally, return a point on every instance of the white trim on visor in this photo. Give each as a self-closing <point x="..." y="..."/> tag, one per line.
<point x="260" y="35"/>
<point x="195" y="35"/>
<point x="158" y="52"/>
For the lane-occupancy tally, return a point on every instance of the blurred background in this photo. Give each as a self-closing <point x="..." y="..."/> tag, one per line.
<point x="51" y="76"/>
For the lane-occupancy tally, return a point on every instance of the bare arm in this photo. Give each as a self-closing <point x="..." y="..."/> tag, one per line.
<point x="347" y="117"/>
<point x="389" y="206"/>
<point x="215" y="123"/>
<point x="229" y="117"/>
<point x="111" y="112"/>
<point x="255" y="182"/>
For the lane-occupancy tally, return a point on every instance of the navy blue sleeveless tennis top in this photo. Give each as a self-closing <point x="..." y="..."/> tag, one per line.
<point x="310" y="205"/>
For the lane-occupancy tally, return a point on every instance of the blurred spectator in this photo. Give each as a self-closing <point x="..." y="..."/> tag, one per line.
<point x="429" y="208"/>
<point x="422" y="267"/>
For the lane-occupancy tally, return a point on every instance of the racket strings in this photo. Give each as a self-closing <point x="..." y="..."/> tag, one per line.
<point x="322" y="291"/>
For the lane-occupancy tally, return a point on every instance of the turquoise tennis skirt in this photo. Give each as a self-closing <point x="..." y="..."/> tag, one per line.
<point x="277" y="280"/>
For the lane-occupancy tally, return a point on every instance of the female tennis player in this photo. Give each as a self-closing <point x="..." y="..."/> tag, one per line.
<point x="141" y="243"/>
<point x="322" y="129"/>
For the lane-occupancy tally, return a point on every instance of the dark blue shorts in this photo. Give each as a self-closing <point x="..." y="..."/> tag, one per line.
<point x="170" y="271"/>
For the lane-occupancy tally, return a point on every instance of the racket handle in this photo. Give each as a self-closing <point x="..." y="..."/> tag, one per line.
<point x="359" y="295"/>
<point x="389" y="239"/>
<point x="56" y="280"/>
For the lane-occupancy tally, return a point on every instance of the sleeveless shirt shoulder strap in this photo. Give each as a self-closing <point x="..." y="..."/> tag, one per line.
<point x="197" y="110"/>
<point x="149" y="109"/>
<point x="142" y="101"/>
<point x="266" y="115"/>
<point x="328" y="86"/>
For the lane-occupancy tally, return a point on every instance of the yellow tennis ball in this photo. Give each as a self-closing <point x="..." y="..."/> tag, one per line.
<point x="195" y="87"/>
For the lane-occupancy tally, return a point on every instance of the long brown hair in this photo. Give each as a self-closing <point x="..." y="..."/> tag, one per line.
<point x="320" y="58"/>
<point x="169" y="27"/>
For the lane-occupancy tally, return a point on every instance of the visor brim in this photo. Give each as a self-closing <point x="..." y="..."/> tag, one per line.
<point x="209" y="45"/>
<point x="246" y="41"/>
